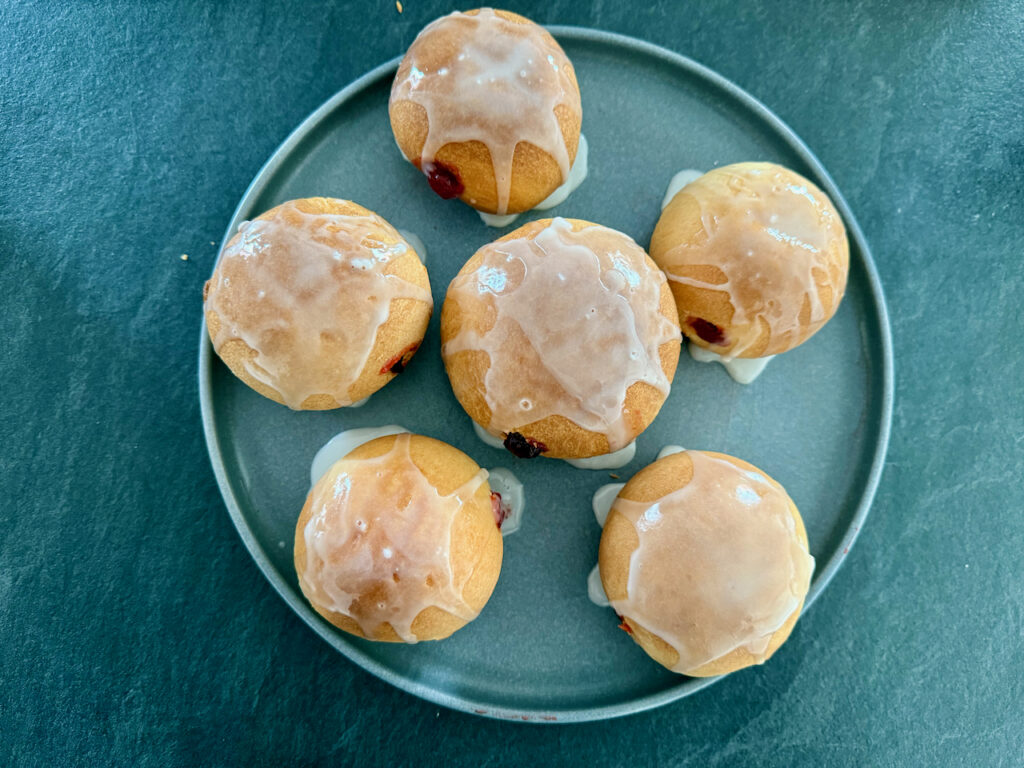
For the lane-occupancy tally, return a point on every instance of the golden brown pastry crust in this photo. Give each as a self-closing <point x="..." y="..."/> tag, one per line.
<point x="563" y="438"/>
<point x="476" y="545"/>
<point x="619" y="540"/>
<point x="682" y="224"/>
<point x="400" y="335"/>
<point x="535" y="173"/>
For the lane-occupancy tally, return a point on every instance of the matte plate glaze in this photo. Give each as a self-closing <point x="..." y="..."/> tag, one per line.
<point x="817" y="419"/>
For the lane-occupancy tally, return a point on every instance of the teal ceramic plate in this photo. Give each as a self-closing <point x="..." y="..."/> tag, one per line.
<point x="817" y="419"/>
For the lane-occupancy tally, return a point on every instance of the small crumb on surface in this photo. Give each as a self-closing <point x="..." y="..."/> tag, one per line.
<point x="212" y="243"/>
<point x="613" y="476"/>
<point x="184" y="257"/>
<point x="398" y="5"/>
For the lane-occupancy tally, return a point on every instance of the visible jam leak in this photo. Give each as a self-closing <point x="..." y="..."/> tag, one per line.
<point x="500" y="510"/>
<point x="523" y="447"/>
<point x="624" y="626"/>
<point x="443" y="180"/>
<point x="397" y="363"/>
<point x="710" y="332"/>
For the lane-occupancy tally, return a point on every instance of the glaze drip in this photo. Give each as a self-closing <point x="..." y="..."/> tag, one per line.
<point x="555" y="298"/>
<point x="378" y="542"/>
<point x="773" y="238"/>
<point x="719" y="564"/>
<point x="499" y="85"/>
<point x="308" y="292"/>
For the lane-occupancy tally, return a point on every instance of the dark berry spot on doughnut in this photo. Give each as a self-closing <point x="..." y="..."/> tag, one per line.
<point x="500" y="510"/>
<point x="397" y="363"/>
<point x="710" y="332"/>
<point x="524" y="447"/>
<point x="443" y="180"/>
<point x="624" y="626"/>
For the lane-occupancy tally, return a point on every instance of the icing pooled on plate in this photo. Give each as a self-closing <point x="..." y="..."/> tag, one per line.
<point x="511" y="499"/>
<point x="343" y="444"/>
<point x="577" y="174"/>
<point x="604" y="497"/>
<point x="742" y="369"/>
<point x="613" y="460"/>
<point x="417" y="244"/>
<point x="679" y="181"/>
<point x="595" y="589"/>
<point x="669" y="450"/>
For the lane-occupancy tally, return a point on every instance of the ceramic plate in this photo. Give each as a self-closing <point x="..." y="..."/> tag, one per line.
<point x="817" y="419"/>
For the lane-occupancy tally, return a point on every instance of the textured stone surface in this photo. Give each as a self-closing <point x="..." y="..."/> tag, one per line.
<point x="134" y="628"/>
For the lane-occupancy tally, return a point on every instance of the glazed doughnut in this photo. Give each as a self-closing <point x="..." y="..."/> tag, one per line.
<point x="561" y="339"/>
<point x="486" y="104"/>
<point x="705" y="559"/>
<point x="317" y="303"/>
<point x="398" y="541"/>
<point x="757" y="258"/>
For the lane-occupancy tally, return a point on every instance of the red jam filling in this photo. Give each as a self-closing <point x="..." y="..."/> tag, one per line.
<point x="500" y="510"/>
<point x="397" y="363"/>
<point x="523" y="447"/>
<point x="443" y="180"/>
<point x="709" y="332"/>
<point x="624" y="626"/>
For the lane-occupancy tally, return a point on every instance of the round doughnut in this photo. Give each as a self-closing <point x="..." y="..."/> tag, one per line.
<point x="486" y="104"/>
<point x="757" y="258"/>
<point x="398" y="541"/>
<point x="561" y="339"/>
<point x="317" y="303"/>
<point x="705" y="559"/>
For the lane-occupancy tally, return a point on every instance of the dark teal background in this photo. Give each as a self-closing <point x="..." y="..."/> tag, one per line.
<point x="135" y="629"/>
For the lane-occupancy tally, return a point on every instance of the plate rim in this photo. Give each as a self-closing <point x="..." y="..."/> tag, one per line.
<point x="686" y="686"/>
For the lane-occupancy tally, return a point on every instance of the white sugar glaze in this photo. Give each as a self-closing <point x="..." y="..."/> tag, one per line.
<point x="500" y="86"/>
<point x="595" y="589"/>
<point x="379" y="527"/>
<point x="742" y="369"/>
<point x="603" y="499"/>
<point x="557" y="297"/>
<point x="513" y="498"/>
<point x="668" y="450"/>
<point x="613" y="460"/>
<point x="576" y="176"/>
<point x="776" y="242"/>
<point x="487" y="438"/>
<point x="679" y="181"/>
<point x="308" y="292"/>
<point x="727" y="544"/>
<point x="344" y="443"/>
<point x="417" y="244"/>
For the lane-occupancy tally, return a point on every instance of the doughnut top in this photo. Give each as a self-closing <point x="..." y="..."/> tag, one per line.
<point x="772" y="242"/>
<point x="378" y="542"/>
<point x="308" y="292"/>
<point x="483" y="77"/>
<point x="719" y="563"/>
<point x="569" y="317"/>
